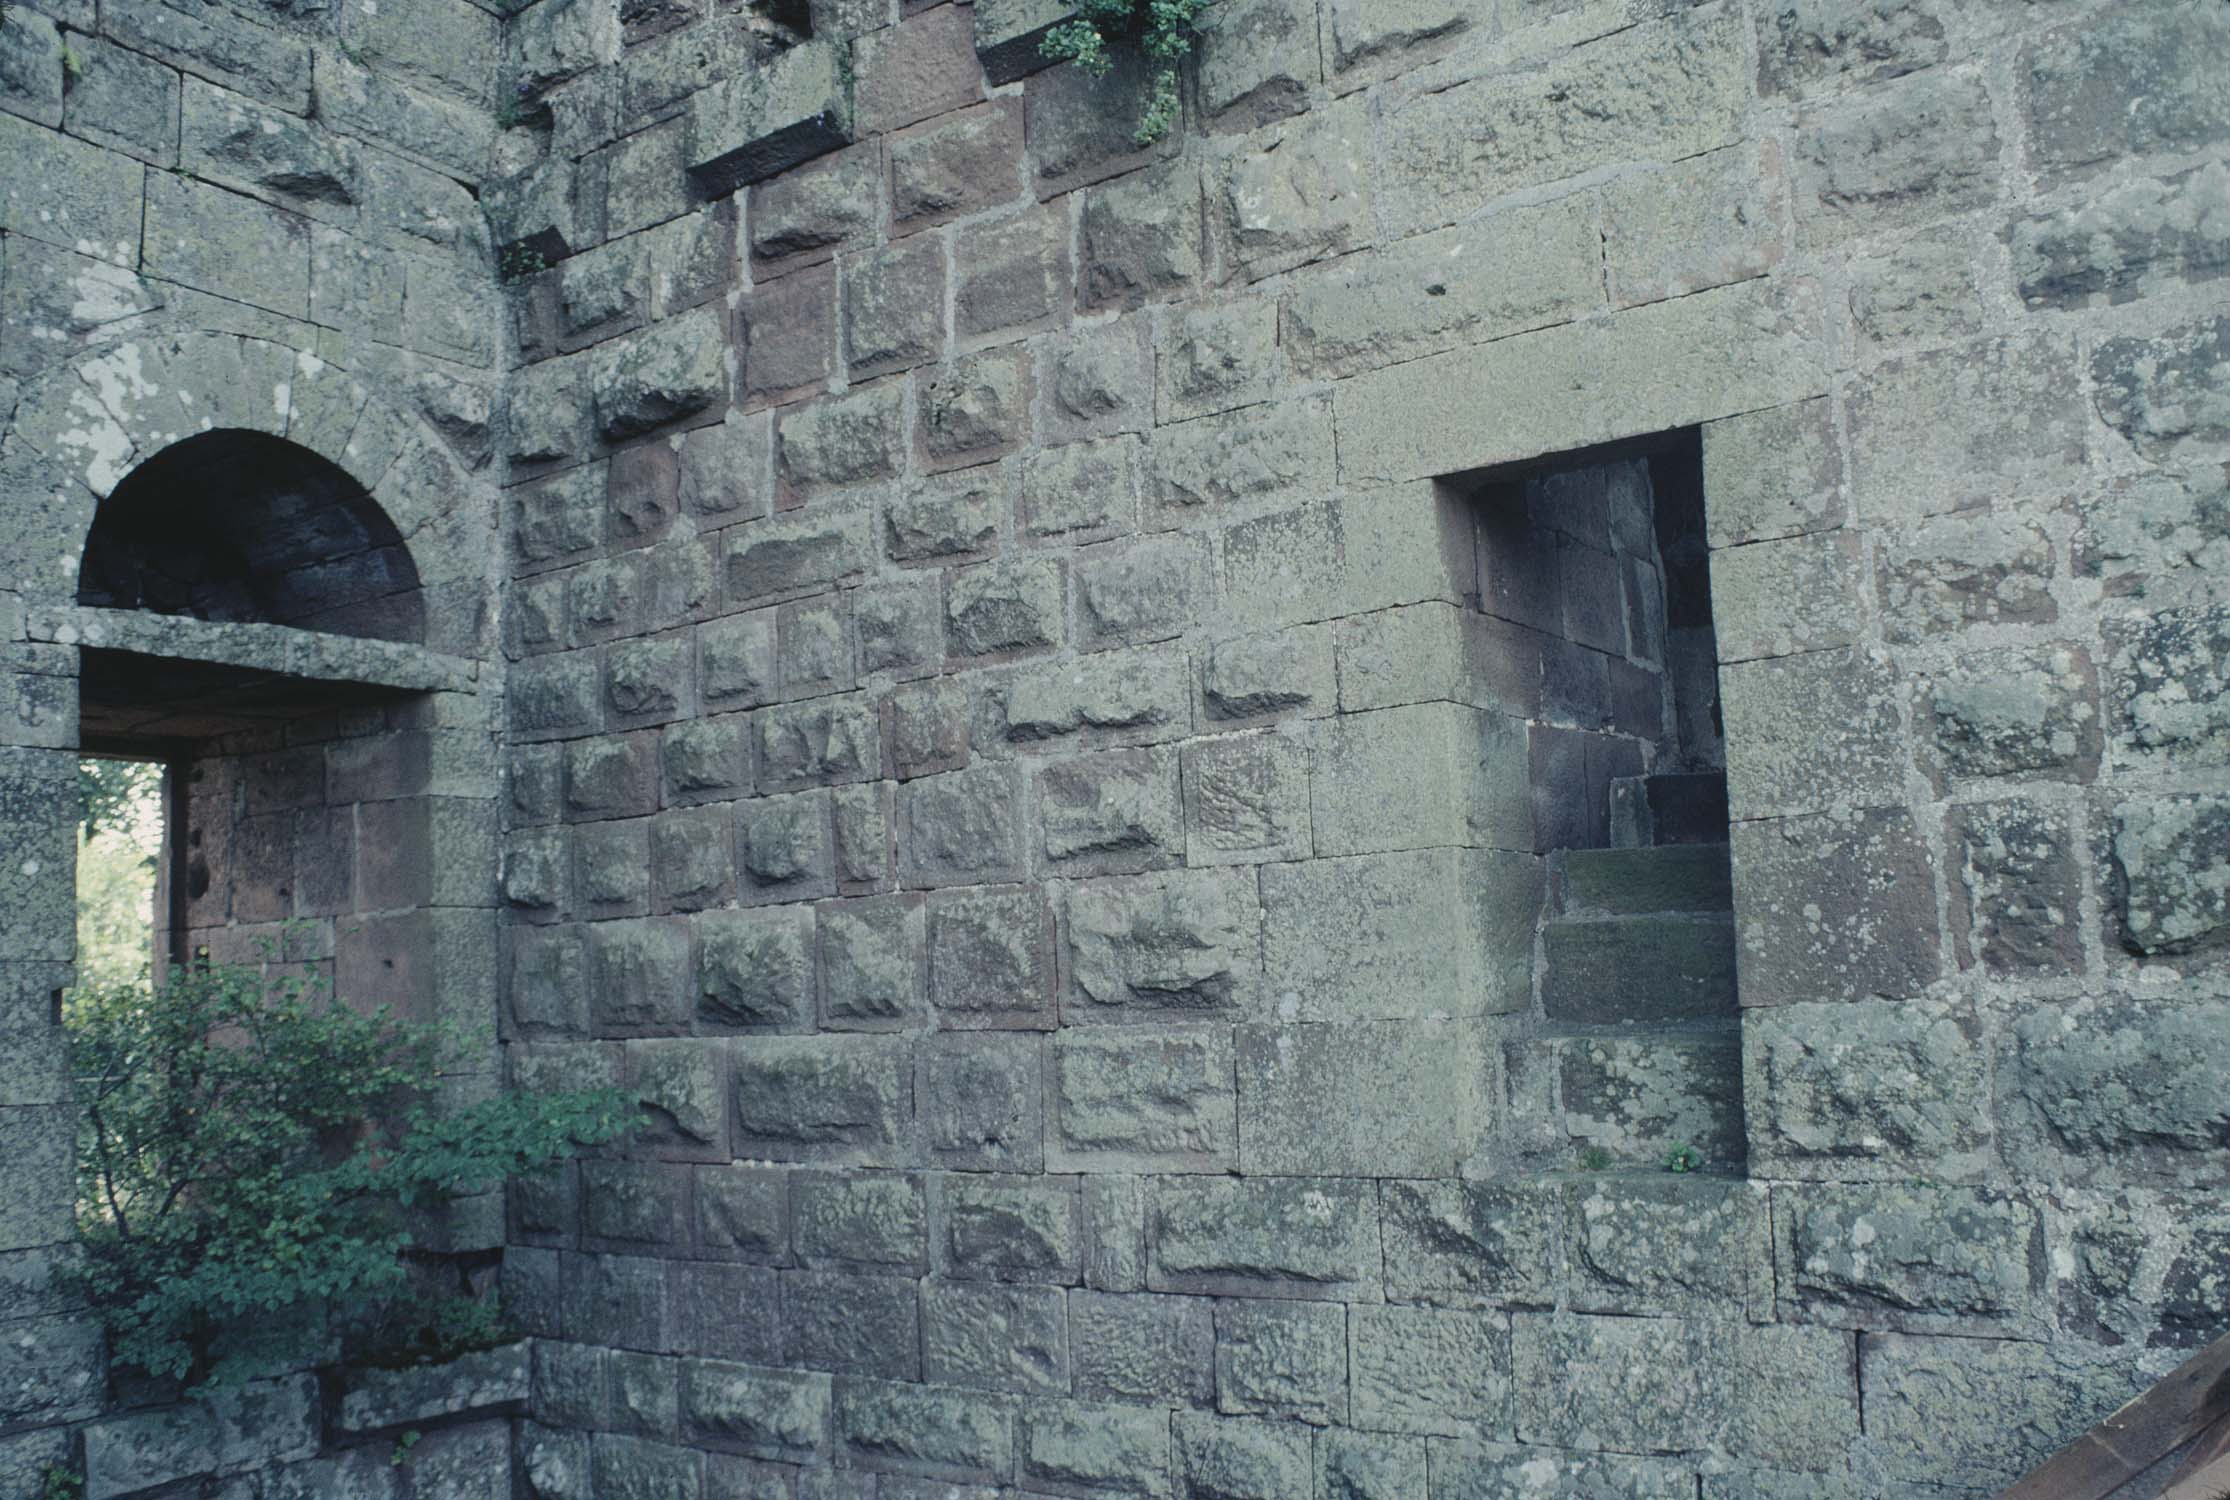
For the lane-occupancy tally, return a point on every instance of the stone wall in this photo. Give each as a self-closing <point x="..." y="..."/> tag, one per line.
<point x="1001" y="759"/>
<point x="1009" y="754"/>
<point x="259" y="219"/>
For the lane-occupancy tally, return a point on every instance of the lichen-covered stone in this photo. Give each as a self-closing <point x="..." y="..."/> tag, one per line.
<point x="2173" y="855"/>
<point x="824" y="1097"/>
<point x="2014" y="711"/>
<point x="1369" y="1099"/>
<point x="669" y="371"/>
<point x="1429" y="1370"/>
<point x="1283" y="1236"/>
<point x="2016" y="892"/>
<point x="1867" y="1088"/>
<point x="1133" y="1099"/>
<point x="1980" y="1412"/>
<point x="1186" y="943"/>
<point x="2118" y="1086"/>
<point x="1282" y="1359"/>
<point x="1782" y="1396"/>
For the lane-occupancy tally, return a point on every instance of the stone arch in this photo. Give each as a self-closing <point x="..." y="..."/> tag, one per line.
<point x="81" y="428"/>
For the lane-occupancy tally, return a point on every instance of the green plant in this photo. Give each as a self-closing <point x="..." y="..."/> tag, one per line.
<point x="1162" y="29"/>
<point x="1683" y="1158"/>
<point x="58" y="1483"/>
<point x="1594" y="1159"/>
<point x="403" y="1445"/>
<point x="520" y="261"/>
<point x="73" y="66"/>
<point x="252" y="1154"/>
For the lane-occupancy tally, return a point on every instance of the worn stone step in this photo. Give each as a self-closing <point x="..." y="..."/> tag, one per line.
<point x="1629" y="1099"/>
<point x="1638" y="970"/>
<point x="1688" y="807"/>
<point x="1676" y="878"/>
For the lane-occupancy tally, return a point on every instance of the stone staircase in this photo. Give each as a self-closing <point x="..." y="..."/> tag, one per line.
<point x="1640" y="1033"/>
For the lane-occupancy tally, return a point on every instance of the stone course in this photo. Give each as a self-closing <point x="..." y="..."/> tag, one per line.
<point x="1053" y="709"/>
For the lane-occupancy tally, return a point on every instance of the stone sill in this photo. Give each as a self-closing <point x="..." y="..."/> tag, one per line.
<point x="748" y="128"/>
<point x="268" y="648"/>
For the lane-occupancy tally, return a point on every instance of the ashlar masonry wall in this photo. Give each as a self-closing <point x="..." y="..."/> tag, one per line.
<point x="996" y="759"/>
<point x="1000" y="753"/>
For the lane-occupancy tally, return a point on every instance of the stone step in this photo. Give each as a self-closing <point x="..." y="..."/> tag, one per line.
<point x="1688" y="807"/>
<point x="1638" y="970"/>
<point x="1623" y="882"/>
<point x="1630" y="1098"/>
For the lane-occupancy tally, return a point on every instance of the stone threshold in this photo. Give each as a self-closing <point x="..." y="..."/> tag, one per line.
<point x="268" y="648"/>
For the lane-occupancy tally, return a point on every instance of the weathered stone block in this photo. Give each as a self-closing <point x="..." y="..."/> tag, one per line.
<point x="1082" y="128"/>
<point x="1980" y="1411"/>
<point x="1692" y="359"/>
<point x="1152" y="590"/>
<point x="976" y="408"/>
<point x="859" y="1222"/>
<point x="1258" y="60"/>
<point x="755" y="968"/>
<point x="1782" y="1396"/>
<point x="1473" y="1468"/>
<point x="1142" y="1100"/>
<point x="1186" y="943"/>
<point x="1301" y="195"/>
<point x="1129" y="696"/>
<point x="1110" y="813"/>
<point x="1469" y="1242"/>
<point x="201" y="236"/>
<point x="1145" y="1349"/>
<point x="1141" y="238"/>
<point x="842" y="440"/>
<point x="924" y="1429"/>
<point x="1810" y="732"/>
<point x="1264" y="1236"/>
<point x="1641" y="1245"/>
<point x="1011" y="33"/>
<point x="1919" y="1259"/>
<point x="1284" y="448"/>
<point x="1663" y="90"/>
<point x="1083" y="492"/>
<point x="868" y="1325"/>
<point x="2172" y="854"/>
<point x="1834" y="904"/>
<point x="768" y="118"/>
<point x="1360" y="34"/>
<point x="771" y="1414"/>
<point x="1809" y="46"/>
<point x="1004" y="606"/>
<point x="894" y="311"/>
<point x="638" y="977"/>
<point x="743" y="1212"/>
<point x="812" y="1098"/>
<point x="1013" y="275"/>
<point x="1430" y="1370"/>
<point x="2137" y="84"/>
<point x="682" y="1084"/>
<point x="960" y="828"/>
<point x="1069" y="1446"/>
<point x="832" y="740"/>
<point x="1255" y="677"/>
<point x="785" y="847"/>
<point x="991" y="957"/>
<point x="957" y="166"/>
<point x="1010" y="1228"/>
<point x="871" y="962"/>
<point x="1399" y="935"/>
<point x="2013" y="711"/>
<point x="787" y="330"/>
<point x="669" y="371"/>
<point x="1422" y="776"/>
<point x="2023" y="428"/>
<point x="2164" y="394"/>
<point x="1246" y="799"/>
<point x="269" y="1421"/>
<point x="1872" y="1088"/>
<point x="633" y="1206"/>
<point x="1434" y="291"/>
<point x="1372" y="1099"/>
<point x="2132" y="240"/>
<point x="1242" y="1458"/>
<point x="995" y="1338"/>
<point x="1215" y="359"/>
<point x="802" y="215"/>
<point x="1958" y="572"/>
<point x="1282" y="1359"/>
<point x="982" y="1101"/>
<point x="1922" y="148"/>
<point x="2015" y="887"/>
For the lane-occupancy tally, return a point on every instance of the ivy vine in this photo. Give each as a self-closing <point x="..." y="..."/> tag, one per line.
<point x="1161" y="29"/>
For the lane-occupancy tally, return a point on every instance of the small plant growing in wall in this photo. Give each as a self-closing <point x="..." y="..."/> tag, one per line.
<point x="251" y="1152"/>
<point x="59" y="1483"/>
<point x="1683" y="1158"/>
<point x="1162" y="29"/>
